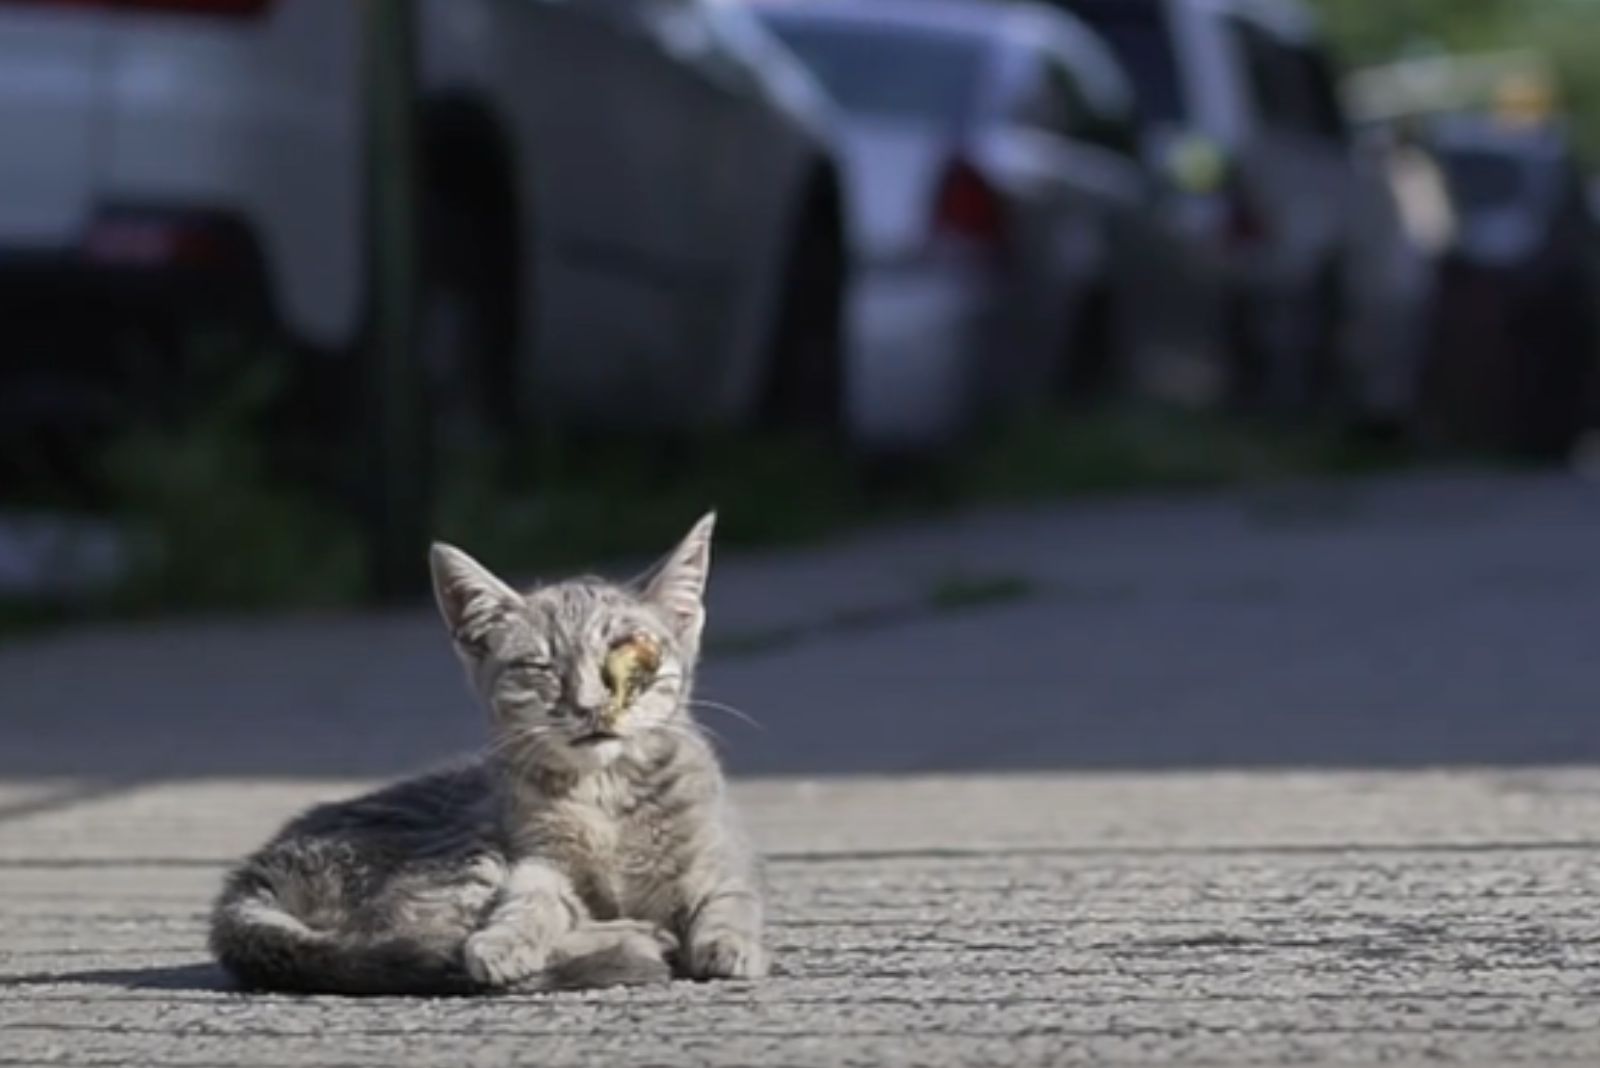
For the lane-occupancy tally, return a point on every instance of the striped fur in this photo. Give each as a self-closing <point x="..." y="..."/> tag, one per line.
<point x="563" y="857"/>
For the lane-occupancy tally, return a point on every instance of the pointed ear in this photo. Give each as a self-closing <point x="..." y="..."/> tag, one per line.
<point x="679" y="584"/>
<point x="471" y="599"/>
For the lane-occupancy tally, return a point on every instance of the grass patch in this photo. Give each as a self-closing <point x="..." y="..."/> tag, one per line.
<point x="216" y="521"/>
<point x="564" y="505"/>
<point x="213" y="524"/>
<point x="955" y="593"/>
<point x="552" y="507"/>
<point x="1052" y="456"/>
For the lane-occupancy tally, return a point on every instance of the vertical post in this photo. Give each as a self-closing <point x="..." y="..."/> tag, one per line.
<point x="399" y="473"/>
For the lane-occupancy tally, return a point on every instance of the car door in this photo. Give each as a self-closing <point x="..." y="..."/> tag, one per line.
<point x="50" y="116"/>
<point x="1167" y="310"/>
<point x="1076" y="239"/>
<point x="594" y="109"/>
<point x="1297" y="164"/>
<point x="734" y="143"/>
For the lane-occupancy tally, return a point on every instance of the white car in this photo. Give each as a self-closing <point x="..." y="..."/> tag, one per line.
<point x="1012" y="248"/>
<point x="632" y="209"/>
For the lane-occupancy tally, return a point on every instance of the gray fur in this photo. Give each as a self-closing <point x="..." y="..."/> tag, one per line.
<point x="558" y="859"/>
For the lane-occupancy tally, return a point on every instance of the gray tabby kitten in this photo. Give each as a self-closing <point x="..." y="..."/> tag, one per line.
<point x="592" y="845"/>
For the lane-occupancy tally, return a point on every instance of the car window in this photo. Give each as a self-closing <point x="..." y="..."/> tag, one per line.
<point x="1110" y="116"/>
<point x="1321" y="113"/>
<point x="1273" y="88"/>
<point x="1112" y="127"/>
<point x="1049" y="98"/>
<point x="884" y="70"/>
<point x="1482" y="180"/>
<point x="1139" y="35"/>
<point x="1292" y="87"/>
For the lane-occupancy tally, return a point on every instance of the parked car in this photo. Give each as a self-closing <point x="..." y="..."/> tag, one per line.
<point x="1522" y="326"/>
<point x="1327" y="291"/>
<point x="1010" y="245"/>
<point x="632" y="209"/>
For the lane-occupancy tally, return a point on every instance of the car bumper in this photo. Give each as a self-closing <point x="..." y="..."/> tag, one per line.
<point x="257" y="119"/>
<point x="65" y="312"/>
<point x="917" y="336"/>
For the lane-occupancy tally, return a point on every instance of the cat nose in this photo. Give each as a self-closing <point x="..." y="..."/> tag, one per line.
<point x="590" y="696"/>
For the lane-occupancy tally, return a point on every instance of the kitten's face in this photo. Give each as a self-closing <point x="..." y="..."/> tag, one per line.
<point x="582" y="668"/>
<point x="575" y="672"/>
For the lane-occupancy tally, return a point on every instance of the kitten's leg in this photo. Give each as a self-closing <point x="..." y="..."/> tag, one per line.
<point x="609" y="953"/>
<point x="722" y="935"/>
<point x="536" y="907"/>
<point x="591" y="936"/>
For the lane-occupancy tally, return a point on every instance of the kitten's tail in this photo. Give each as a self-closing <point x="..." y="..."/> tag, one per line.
<point x="266" y="947"/>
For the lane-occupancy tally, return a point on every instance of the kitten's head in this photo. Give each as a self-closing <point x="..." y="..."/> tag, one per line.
<point x="576" y="672"/>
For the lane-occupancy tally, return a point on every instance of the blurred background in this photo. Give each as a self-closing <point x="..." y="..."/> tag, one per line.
<point x="290" y="287"/>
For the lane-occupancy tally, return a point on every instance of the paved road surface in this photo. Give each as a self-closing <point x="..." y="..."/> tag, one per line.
<point x="1183" y="919"/>
<point x="1441" y="630"/>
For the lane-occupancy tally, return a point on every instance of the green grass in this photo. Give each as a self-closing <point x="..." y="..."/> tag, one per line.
<point x="582" y="503"/>
<point x="957" y="593"/>
<point x="604" y="501"/>
<point x="217" y="524"/>
<point x="1053" y="456"/>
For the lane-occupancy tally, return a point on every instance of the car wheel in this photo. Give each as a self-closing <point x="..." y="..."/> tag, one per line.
<point x="1548" y="373"/>
<point x="466" y="328"/>
<point x="1322" y="388"/>
<point x="1277" y="370"/>
<point x="1091" y="369"/>
<point x="1247" y="358"/>
<point x="805" y="383"/>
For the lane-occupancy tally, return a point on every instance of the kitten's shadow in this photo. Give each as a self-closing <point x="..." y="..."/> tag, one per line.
<point x="203" y="977"/>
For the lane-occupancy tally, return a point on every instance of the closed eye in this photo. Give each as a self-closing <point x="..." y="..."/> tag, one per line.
<point x="535" y="676"/>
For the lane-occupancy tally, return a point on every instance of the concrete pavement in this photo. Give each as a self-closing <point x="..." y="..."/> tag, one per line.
<point x="1401" y="622"/>
<point x="1175" y="919"/>
<point x="1210" y="901"/>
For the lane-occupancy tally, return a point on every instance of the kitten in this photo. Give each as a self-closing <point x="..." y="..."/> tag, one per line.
<point x="592" y="845"/>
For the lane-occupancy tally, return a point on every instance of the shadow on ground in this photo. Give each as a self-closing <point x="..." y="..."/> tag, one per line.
<point x="206" y="978"/>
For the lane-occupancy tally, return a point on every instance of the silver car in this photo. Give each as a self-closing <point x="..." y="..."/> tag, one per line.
<point x="1330" y="298"/>
<point x="633" y="213"/>
<point x="1011" y="248"/>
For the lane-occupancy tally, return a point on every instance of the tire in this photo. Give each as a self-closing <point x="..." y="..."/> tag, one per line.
<point x="466" y="324"/>
<point x="1323" y="389"/>
<point x="1247" y="358"/>
<point x="1549" y="367"/>
<point x="805" y="380"/>
<point x="1091" y="369"/>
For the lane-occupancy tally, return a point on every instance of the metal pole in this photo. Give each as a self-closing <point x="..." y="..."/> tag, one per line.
<point x="399" y="473"/>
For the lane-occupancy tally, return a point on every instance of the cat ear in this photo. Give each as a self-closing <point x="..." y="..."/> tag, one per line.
<point x="471" y="599"/>
<point x="679" y="584"/>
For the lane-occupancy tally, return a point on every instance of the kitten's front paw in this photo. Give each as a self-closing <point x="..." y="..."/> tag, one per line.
<point x="500" y="956"/>
<point x="727" y="955"/>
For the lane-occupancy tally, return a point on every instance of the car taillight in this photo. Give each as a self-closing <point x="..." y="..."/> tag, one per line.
<point x="177" y="7"/>
<point x="1244" y="223"/>
<point x="138" y="241"/>
<point x="968" y="207"/>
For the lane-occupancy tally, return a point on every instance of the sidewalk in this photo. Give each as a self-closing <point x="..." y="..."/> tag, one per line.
<point x="1468" y="593"/>
<point x="1159" y="913"/>
<point x="1184" y="919"/>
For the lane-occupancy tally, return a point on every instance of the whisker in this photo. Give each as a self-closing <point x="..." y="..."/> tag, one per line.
<point x="718" y="706"/>
<point x="521" y="737"/>
<point x="697" y="733"/>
